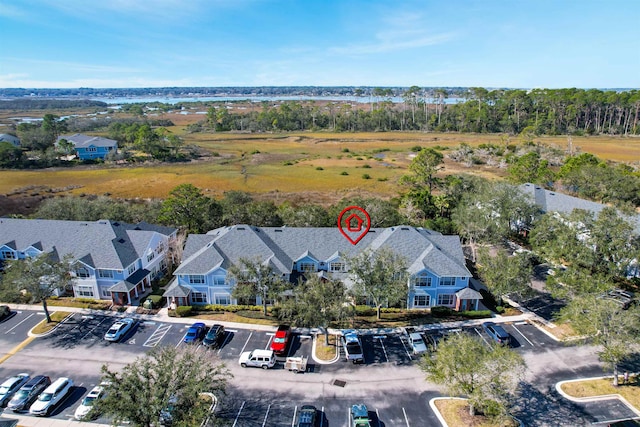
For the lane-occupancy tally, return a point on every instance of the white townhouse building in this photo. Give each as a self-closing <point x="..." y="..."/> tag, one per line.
<point x="436" y="264"/>
<point x="111" y="260"/>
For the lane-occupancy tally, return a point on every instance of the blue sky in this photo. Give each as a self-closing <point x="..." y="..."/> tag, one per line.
<point x="155" y="43"/>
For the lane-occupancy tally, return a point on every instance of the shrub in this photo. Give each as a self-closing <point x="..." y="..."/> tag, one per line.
<point x="156" y="300"/>
<point x="365" y="310"/>
<point x="479" y="314"/>
<point x="288" y="163"/>
<point x="416" y="148"/>
<point x="366" y="176"/>
<point x="441" y="311"/>
<point x="383" y="179"/>
<point x="345" y="150"/>
<point x="319" y="168"/>
<point x="344" y="173"/>
<point x="366" y="166"/>
<point x="184" y="311"/>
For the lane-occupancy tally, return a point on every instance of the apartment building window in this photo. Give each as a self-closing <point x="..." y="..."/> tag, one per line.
<point x="422" y="282"/>
<point x="337" y="266"/>
<point x="132" y="269"/>
<point x="445" y="299"/>
<point x="82" y="272"/>
<point x="151" y="256"/>
<point x="196" y="279"/>
<point x="421" y="300"/>
<point x="84" y="291"/>
<point x="307" y="266"/>
<point x="8" y="254"/>
<point x="160" y="248"/>
<point x="218" y="281"/>
<point x="105" y="274"/>
<point x="198" y="297"/>
<point x="106" y="293"/>
<point x="447" y="281"/>
<point x="223" y="299"/>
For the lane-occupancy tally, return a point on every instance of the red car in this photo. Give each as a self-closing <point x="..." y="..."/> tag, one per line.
<point x="281" y="339"/>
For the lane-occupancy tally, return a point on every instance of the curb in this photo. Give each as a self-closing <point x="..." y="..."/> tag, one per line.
<point x="320" y="361"/>
<point x="596" y="398"/>
<point x="432" y="404"/>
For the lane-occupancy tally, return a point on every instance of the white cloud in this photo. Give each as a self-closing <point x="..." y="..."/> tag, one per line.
<point x="393" y="41"/>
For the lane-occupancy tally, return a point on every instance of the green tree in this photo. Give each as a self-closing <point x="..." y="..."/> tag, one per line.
<point x="505" y="274"/>
<point x="10" y="156"/>
<point x="607" y="325"/>
<point x="424" y="166"/>
<point x="530" y="167"/>
<point x="253" y="278"/>
<point x="53" y="126"/>
<point x="317" y="303"/>
<point x="486" y="375"/>
<point x="380" y="276"/>
<point x="141" y="390"/>
<point x="187" y="207"/>
<point x="36" y="278"/>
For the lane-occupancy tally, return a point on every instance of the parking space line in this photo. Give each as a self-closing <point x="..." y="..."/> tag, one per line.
<point x="246" y="342"/>
<point x="378" y="417"/>
<point x="238" y="416"/>
<point x="483" y="339"/>
<point x="405" y="348"/>
<point x="518" y="330"/>
<point x="94" y="328"/>
<point x="157" y="336"/>
<point x="322" y="418"/>
<point x="24" y="320"/>
<point x="266" y="415"/>
<point x="406" y="419"/>
<point x="386" y="358"/>
<point x="226" y="338"/>
<point x="269" y="342"/>
<point x="293" y="420"/>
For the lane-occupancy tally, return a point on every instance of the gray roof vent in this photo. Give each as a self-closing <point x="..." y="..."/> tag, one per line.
<point x="277" y="230"/>
<point x="121" y="240"/>
<point x="240" y="228"/>
<point x="405" y="228"/>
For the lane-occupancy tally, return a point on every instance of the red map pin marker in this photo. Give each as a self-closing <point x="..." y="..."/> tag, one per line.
<point x="356" y="223"/>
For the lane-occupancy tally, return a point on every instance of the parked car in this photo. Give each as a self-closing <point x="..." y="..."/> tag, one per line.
<point x="497" y="333"/>
<point x="195" y="333"/>
<point x="432" y="340"/>
<point x="166" y="415"/>
<point x="264" y="359"/>
<point x="360" y="416"/>
<point x="417" y="343"/>
<point x="307" y="417"/>
<point x="352" y="346"/>
<point x="214" y="336"/>
<point x="622" y="297"/>
<point x="5" y="312"/>
<point x="10" y="386"/>
<point x="119" y="329"/>
<point x="281" y="339"/>
<point x="51" y="396"/>
<point x="83" y="411"/>
<point x="28" y="393"/>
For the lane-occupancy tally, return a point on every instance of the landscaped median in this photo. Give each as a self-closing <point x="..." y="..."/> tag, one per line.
<point x="454" y="412"/>
<point x="603" y="388"/>
<point x="326" y="351"/>
<point x="45" y="327"/>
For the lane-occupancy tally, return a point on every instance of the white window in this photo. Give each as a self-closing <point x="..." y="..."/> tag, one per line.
<point x="8" y="254"/>
<point x="150" y="256"/>
<point x="84" y="291"/>
<point x="307" y="266"/>
<point x="447" y="281"/>
<point x="337" y="266"/>
<point x="132" y="268"/>
<point x="82" y="272"/>
<point x="223" y="299"/>
<point x="421" y="300"/>
<point x="91" y="149"/>
<point x="218" y="280"/>
<point x="445" y="299"/>
<point x="160" y="248"/>
<point x="105" y="274"/>
<point x="106" y="293"/>
<point x="195" y="279"/>
<point x="422" y="282"/>
<point x="198" y="297"/>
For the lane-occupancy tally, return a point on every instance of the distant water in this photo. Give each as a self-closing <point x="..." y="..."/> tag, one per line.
<point x="256" y="99"/>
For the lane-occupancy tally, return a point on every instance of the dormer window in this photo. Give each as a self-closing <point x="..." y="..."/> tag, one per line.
<point x="337" y="266"/>
<point x="82" y="272"/>
<point x="6" y="254"/>
<point x="307" y="267"/>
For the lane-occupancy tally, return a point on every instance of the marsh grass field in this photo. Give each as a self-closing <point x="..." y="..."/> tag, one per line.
<point x="322" y="167"/>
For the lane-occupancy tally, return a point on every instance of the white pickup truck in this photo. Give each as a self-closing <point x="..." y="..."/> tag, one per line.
<point x="352" y="346"/>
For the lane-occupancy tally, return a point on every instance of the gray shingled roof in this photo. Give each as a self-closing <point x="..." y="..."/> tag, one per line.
<point x="177" y="290"/>
<point x="468" y="293"/>
<point x="82" y="141"/>
<point x="552" y="201"/>
<point x="101" y="244"/>
<point x="14" y="140"/>
<point x="283" y="246"/>
<point x="130" y="282"/>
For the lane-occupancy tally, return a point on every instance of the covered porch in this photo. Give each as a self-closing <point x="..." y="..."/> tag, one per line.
<point x="467" y="299"/>
<point x="131" y="289"/>
<point x="177" y="295"/>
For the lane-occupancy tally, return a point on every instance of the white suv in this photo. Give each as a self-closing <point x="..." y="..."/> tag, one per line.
<point x="264" y="359"/>
<point x="51" y="396"/>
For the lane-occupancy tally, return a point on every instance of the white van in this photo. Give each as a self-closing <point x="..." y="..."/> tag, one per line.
<point x="264" y="359"/>
<point x="51" y="396"/>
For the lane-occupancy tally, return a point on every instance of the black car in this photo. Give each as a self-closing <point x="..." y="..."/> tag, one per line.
<point x="5" y="312"/>
<point x="307" y="416"/>
<point x="214" y="336"/>
<point x="28" y="393"/>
